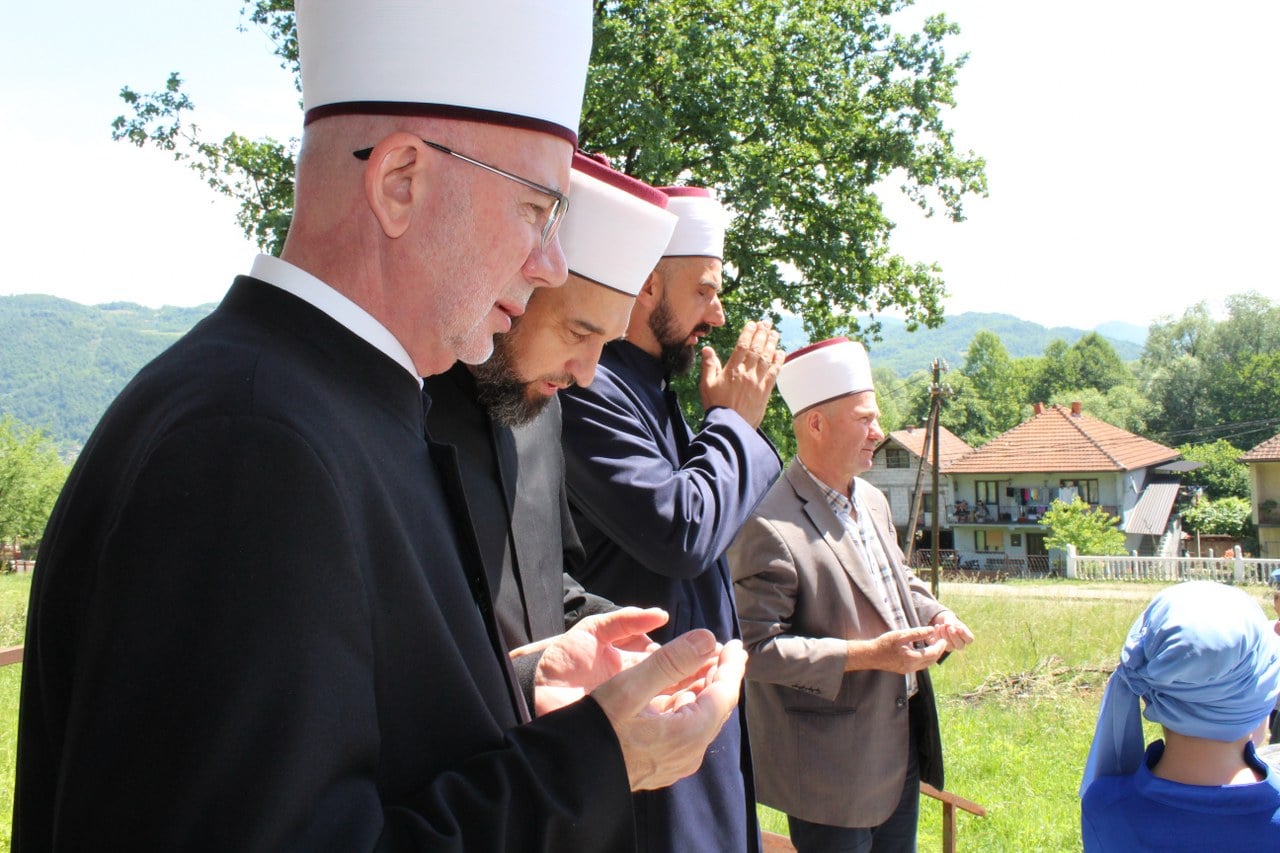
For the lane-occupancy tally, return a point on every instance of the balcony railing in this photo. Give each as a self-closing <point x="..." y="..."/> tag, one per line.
<point x="962" y="564"/>
<point x="1001" y="513"/>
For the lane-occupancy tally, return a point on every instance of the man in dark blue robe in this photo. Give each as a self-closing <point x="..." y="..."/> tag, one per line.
<point x="657" y="505"/>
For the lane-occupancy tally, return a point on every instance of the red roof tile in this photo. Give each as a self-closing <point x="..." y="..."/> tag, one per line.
<point x="1268" y="451"/>
<point x="950" y="445"/>
<point x="1057" y="440"/>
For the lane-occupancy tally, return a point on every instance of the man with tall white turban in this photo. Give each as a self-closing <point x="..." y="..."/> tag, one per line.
<point x="260" y="620"/>
<point x="657" y="503"/>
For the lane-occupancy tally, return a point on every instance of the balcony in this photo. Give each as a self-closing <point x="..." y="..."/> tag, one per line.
<point x="963" y="512"/>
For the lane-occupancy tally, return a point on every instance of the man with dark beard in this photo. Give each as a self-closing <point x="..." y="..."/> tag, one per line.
<point x="657" y="504"/>
<point x="504" y="419"/>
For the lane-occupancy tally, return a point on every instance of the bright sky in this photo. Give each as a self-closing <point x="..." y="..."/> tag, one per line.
<point x="1129" y="149"/>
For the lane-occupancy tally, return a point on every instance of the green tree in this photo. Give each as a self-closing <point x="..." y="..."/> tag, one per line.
<point x="1209" y="379"/>
<point x="989" y="368"/>
<point x="1223" y="474"/>
<point x="1123" y="405"/>
<point x="31" y="475"/>
<point x="1091" y="531"/>
<point x="1052" y="373"/>
<point x="1224" y="517"/>
<point x="1092" y="362"/>
<point x="796" y="110"/>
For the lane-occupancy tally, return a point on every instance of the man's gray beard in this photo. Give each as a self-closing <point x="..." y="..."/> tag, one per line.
<point x="500" y="391"/>
<point x="676" y="356"/>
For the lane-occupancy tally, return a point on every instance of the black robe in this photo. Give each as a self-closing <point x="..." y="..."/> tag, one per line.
<point x="257" y="625"/>
<point x="514" y="482"/>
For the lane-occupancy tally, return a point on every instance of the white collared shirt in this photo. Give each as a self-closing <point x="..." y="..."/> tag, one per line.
<point x="321" y="296"/>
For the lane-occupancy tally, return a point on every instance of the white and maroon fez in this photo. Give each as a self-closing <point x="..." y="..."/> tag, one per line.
<point x="700" y="231"/>
<point x="824" y="371"/>
<point x="521" y="63"/>
<point x="616" y="227"/>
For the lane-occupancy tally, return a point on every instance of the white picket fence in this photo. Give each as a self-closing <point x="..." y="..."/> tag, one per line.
<point x="1230" y="568"/>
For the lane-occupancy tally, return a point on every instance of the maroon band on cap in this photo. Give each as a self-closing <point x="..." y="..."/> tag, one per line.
<point x="811" y="347"/>
<point x="589" y="165"/>
<point x="449" y="111"/>
<point x="694" y="192"/>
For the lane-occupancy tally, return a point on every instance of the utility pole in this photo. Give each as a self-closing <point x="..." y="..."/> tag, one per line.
<point x="931" y="437"/>
<point x="935" y="412"/>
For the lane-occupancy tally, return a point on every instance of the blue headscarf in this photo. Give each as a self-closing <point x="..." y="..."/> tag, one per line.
<point x="1205" y="660"/>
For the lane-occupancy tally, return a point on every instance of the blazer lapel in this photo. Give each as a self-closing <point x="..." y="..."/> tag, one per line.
<point x="838" y="539"/>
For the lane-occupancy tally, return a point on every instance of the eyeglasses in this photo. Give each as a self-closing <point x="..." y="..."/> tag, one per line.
<point x="559" y="201"/>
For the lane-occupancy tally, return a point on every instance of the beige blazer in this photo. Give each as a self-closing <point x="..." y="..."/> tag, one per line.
<point x="830" y="747"/>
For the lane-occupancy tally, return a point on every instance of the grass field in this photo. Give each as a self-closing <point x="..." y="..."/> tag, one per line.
<point x="1017" y="707"/>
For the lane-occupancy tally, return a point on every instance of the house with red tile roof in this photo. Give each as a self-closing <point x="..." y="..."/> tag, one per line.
<point x="1004" y="487"/>
<point x="1264" y="477"/>
<point x="896" y="469"/>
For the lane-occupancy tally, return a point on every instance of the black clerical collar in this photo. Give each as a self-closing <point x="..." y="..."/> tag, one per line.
<point x="644" y="365"/>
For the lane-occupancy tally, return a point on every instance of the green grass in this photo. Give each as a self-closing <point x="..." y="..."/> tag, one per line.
<point x="1017" y="707"/>
<point x="14" y="591"/>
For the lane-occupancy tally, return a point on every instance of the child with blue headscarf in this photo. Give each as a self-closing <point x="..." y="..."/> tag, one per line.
<point x="1206" y="663"/>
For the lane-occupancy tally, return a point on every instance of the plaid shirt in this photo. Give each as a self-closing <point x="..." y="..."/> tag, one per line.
<point x="856" y="520"/>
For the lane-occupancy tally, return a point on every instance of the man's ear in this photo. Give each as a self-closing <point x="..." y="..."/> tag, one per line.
<point x="651" y="293"/>
<point x="395" y="178"/>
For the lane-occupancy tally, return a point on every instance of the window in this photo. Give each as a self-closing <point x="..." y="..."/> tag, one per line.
<point x="926" y="502"/>
<point x="1087" y="489"/>
<point x="896" y="457"/>
<point x="987" y="492"/>
<point x="988" y="540"/>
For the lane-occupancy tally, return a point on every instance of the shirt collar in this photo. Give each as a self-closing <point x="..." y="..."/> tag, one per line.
<point x="840" y="505"/>
<point x="321" y="296"/>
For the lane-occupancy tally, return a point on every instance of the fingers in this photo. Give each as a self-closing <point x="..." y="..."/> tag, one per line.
<point x="710" y="366"/>
<point x="625" y="625"/>
<point x="908" y="636"/>
<point x="629" y="692"/>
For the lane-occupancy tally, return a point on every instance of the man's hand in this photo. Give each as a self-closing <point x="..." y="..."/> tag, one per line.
<point x="951" y="629"/>
<point x="896" y="651"/>
<point x="745" y="382"/>
<point x="593" y="651"/>
<point x="663" y="729"/>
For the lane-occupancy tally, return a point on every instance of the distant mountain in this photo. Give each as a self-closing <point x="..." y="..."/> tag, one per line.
<point x="1123" y="332"/>
<point x="62" y="363"/>
<point x="906" y="352"/>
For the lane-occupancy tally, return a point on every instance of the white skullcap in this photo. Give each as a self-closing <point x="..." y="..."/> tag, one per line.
<point x="700" y="231"/>
<point x="616" y="227"/>
<point x="521" y="63"/>
<point x="824" y="371"/>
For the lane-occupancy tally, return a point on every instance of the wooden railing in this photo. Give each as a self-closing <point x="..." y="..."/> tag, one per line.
<point x="13" y="654"/>
<point x="775" y="843"/>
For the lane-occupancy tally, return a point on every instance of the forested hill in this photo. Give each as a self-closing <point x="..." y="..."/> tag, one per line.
<point x="906" y="352"/>
<point x="61" y="363"/>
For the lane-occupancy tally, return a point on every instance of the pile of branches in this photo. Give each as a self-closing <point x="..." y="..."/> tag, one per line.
<point x="1048" y="678"/>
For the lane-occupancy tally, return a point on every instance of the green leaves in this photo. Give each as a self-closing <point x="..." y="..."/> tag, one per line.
<point x="1225" y="517"/>
<point x="1092" y="531"/>
<point x="31" y="475"/>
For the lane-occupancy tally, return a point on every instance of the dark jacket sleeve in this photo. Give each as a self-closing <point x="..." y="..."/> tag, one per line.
<point x="676" y="519"/>
<point x="226" y="684"/>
